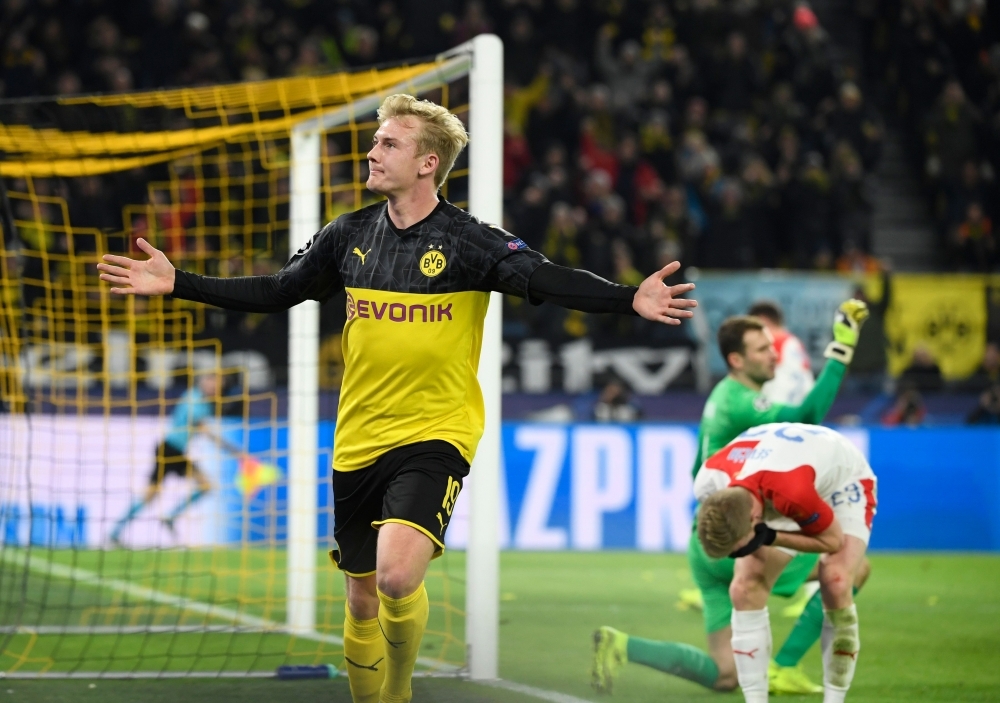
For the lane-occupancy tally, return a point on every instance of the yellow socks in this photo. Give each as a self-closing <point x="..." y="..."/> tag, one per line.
<point x="364" y="654"/>
<point x="403" y="621"/>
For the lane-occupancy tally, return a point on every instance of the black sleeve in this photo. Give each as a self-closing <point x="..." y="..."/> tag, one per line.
<point x="311" y="274"/>
<point x="577" y="289"/>
<point x="498" y="261"/>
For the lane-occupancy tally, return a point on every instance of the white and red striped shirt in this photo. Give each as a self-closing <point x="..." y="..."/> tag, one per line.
<point x="795" y="470"/>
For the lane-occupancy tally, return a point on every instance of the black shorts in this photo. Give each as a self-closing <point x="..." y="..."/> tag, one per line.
<point x="416" y="485"/>
<point x="170" y="460"/>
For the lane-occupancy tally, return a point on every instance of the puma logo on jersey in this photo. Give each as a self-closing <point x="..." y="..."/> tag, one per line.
<point x="362" y="256"/>
<point x="443" y="524"/>
<point x="748" y="654"/>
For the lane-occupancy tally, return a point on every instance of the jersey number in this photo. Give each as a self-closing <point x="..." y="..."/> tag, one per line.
<point x="451" y="495"/>
<point x="851" y="494"/>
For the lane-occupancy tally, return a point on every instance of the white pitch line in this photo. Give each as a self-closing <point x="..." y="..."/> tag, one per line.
<point x="89" y="578"/>
<point x="129" y="629"/>
<point x="539" y="693"/>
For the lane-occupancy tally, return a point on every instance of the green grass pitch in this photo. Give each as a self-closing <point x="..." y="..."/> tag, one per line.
<point x="929" y="632"/>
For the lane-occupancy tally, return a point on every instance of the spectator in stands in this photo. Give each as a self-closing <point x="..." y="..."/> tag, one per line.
<point x="856" y="261"/>
<point x="628" y="75"/>
<point x="805" y="58"/>
<point x="853" y="123"/>
<point x="951" y="133"/>
<point x="736" y="81"/>
<point x="615" y="403"/>
<point x="560" y="245"/>
<point x="517" y="157"/>
<point x="970" y="188"/>
<point x="973" y="240"/>
<point x="853" y="206"/>
<point x="923" y="374"/>
<point x="523" y="49"/>
<point x="677" y="224"/>
<point x="987" y="412"/>
<point x="907" y="408"/>
<point x="727" y="240"/>
<point x="637" y="179"/>
<point x="809" y="204"/>
<point x="762" y="204"/>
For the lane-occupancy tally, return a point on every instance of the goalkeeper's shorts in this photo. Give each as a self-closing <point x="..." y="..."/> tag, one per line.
<point x="415" y="485"/>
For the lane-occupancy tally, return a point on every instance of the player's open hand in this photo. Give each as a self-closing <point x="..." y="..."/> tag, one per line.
<point x="660" y="303"/>
<point x="154" y="276"/>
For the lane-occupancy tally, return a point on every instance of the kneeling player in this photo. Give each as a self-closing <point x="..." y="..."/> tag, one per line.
<point x="774" y="491"/>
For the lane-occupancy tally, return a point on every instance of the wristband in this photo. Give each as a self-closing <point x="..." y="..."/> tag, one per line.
<point x="763" y="535"/>
<point x="839" y="351"/>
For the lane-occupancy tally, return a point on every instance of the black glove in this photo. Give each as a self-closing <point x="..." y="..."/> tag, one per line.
<point x="763" y="535"/>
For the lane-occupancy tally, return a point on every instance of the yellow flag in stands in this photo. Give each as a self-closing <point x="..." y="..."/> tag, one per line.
<point x="254" y="475"/>
<point x="946" y="314"/>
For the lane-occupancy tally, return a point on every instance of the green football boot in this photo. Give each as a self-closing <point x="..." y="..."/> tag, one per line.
<point x="789" y="679"/>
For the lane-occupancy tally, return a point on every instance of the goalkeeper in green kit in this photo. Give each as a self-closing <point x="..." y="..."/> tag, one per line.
<point x="734" y="406"/>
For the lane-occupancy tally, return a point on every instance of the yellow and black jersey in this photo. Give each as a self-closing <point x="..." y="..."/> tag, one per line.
<point x="416" y="301"/>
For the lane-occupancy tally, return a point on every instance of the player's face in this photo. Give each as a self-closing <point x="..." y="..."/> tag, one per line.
<point x="394" y="166"/>
<point x="759" y="357"/>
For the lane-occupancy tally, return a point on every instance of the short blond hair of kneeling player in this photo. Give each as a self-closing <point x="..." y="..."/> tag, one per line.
<point x="772" y="492"/>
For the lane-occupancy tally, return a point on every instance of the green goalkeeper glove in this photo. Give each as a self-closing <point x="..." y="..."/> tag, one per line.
<point x="847" y="323"/>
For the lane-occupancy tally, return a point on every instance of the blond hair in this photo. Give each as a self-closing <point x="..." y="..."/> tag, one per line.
<point x="723" y="520"/>
<point x="442" y="133"/>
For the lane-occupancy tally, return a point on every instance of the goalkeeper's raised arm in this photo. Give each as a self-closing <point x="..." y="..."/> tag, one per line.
<point x="736" y="403"/>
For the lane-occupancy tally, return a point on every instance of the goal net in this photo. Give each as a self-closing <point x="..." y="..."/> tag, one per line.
<point x="116" y="557"/>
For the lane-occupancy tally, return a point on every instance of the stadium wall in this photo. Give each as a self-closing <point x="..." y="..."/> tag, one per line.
<point x="572" y="486"/>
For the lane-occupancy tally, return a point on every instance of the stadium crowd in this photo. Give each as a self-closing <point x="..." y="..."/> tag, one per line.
<point x="725" y="134"/>
<point x="943" y="58"/>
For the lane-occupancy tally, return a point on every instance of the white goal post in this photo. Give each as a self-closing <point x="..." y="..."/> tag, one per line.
<point x="482" y="59"/>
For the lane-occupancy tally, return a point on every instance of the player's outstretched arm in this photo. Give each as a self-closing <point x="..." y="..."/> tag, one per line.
<point x="577" y="289"/>
<point x="154" y="276"/>
<point x="309" y="275"/>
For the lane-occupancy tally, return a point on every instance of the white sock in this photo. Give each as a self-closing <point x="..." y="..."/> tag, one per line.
<point x="752" y="652"/>
<point x="841" y="644"/>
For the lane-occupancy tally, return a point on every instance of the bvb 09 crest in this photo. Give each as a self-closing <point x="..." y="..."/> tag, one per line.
<point x="432" y="262"/>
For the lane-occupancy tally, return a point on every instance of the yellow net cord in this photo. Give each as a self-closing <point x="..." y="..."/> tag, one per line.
<point x="203" y="174"/>
<point x="51" y="152"/>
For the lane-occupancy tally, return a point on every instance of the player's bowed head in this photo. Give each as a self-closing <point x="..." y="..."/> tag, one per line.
<point x="728" y="522"/>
